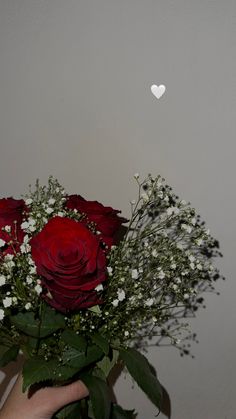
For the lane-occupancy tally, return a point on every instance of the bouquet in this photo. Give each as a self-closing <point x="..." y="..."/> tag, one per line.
<point x="84" y="290"/>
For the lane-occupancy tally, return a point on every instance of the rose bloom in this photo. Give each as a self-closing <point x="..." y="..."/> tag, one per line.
<point x="105" y="218"/>
<point x="71" y="262"/>
<point x="11" y="210"/>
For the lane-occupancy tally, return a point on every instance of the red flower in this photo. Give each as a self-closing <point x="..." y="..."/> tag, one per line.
<point x="11" y="214"/>
<point x="105" y="218"/>
<point x="71" y="263"/>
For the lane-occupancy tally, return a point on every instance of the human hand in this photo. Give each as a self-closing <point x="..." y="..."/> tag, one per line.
<point x="43" y="404"/>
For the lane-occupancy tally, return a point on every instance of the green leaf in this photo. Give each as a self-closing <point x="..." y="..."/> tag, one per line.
<point x="50" y="322"/>
<point x="141" y="371"/>
<point x="76" y="359"/>
<point x="8" y="355"/>
<point x="71" y="411"/>
<point x="95" y="309"/>
<point x="99" y="396"/>
<point x="74" y="340"/>
<point x="101" y="342"/>
<point x="118" y="413"/>
<point x="26" y="323"/>
<point x="106" y="364"/>
<point x="36" y="370"/>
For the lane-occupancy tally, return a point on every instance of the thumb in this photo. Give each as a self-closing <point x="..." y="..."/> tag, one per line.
<point x="60" y="396"/>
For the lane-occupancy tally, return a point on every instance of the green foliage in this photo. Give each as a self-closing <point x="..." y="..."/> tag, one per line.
<point x="8" y="354"/>
<point x="142" y="372"/>
<point x="117" y="412"/>
<point x="74" y="341"/>
<point x="71" y="411"/>
<point x="101" y="342"/>
<point x="36" y="370"/>
<point x="74" y="358"/>
<point x="99" y="396"/>
<point x="106" y="364"/>
<point x="49" y="322"/>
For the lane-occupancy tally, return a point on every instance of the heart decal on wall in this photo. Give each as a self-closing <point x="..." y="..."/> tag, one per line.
<point x="158" y="91"/>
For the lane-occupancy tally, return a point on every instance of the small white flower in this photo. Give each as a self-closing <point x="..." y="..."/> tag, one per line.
<point x="186" y="227"/>
<point x="121" y="295"/>
<point x="14" y="299"/>
<point x="186" y="296"/>
<point x="38" y="289"/>
<point x="136" y="175"/>
<point x="27" y="306"/>
<point x="29" y="280"/>
<point x="126" y="333"/>
<point x="161" y="275"/>
<point x="199" y="266"/>
<point x="178" y="280"/>
<point x="2" y="280"/>
<point x="149" y="302"/>
<point x="133" y="202"/>
<point x="51" y="201"/>
<point x="33" y="270"/>
<point x="7" y="302"/>
<point x="115" y="303"/>
<point x="99" y="287"/>
<point x="7" y="229"/>
<point x="60" y="214"/>
<point x="192" y="266"/>
<point x="32" y="228"/>
<point x="8" y="258"/>
<point x="134" y="274"/>
<point x="199" y="241"/>
<point x="183" y="202"/>
<point x="166" y="199"/>
<point x="28" y="201"/>
<point x="193" y="221"/>
<point x="1" y="314"/>
<point x="175" y="287"/>
<point x="26" y="238"/>
<point x="25" y="248"/>
<point x="192" y="258"/>
<point x="2" y="243"/>
<point x="49" y="210"/>
<point x="9" y="263"/>
<point x="179" y="246"/>
<point x="145" y="197"/>
<point x="173" y="266"/>
<point x="172" y="210"/>
<point x="109" y="270"/>
<point x="154" y="253"/>
<point x="31" y="221"/>
<point x="24" y="225"/>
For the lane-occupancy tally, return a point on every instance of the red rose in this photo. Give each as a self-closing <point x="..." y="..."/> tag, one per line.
<point x="106" y="219"/>
<point x="11" y="210"/>
<point x="71" y="263"/>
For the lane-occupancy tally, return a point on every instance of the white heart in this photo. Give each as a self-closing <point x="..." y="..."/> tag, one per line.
<point x="158" y="91"/>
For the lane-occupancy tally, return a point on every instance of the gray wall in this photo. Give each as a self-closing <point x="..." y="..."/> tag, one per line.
<point x="75" y="102"/>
